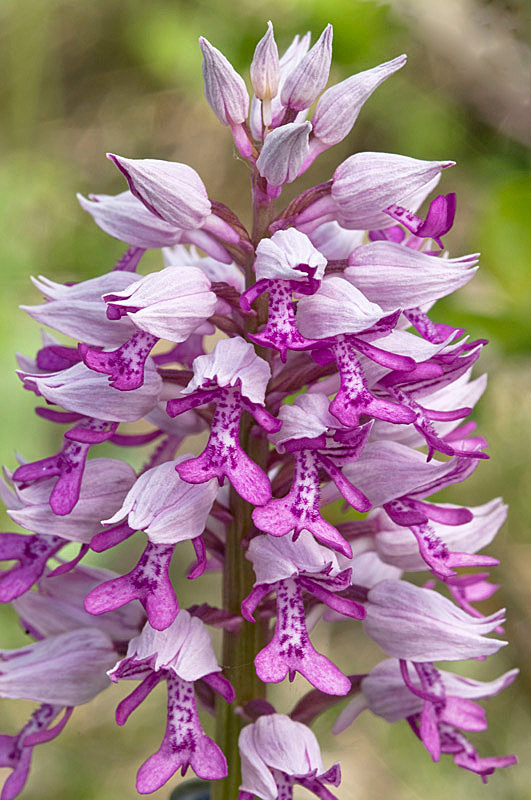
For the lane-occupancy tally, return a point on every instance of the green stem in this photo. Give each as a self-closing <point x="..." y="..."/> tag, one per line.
<point x="240" y="649"/>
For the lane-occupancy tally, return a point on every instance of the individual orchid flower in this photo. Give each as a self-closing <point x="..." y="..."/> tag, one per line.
<point x="181" y="655"/>
<point x="287" y="263"/>
<point x="317" y="442"/>
<point x="277" y="754"/>
<point x="170" y="304"/>
<point x="436" y="704"/>
<point x="396" y="544"/>
<point x="309" y="77"/>
<point x="289" y="569"/>
<point x="236" y="378"/>
<point x="169" y="510"/>
<point x="338" y="242"/>
<point x="353" y="193"/>
<point x="400" y="490"/>
<point x="363" y="187"/>
<point x="226" y="94"/>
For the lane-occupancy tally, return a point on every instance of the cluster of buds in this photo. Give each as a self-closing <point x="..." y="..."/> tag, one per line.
<point x="327" y="381"/>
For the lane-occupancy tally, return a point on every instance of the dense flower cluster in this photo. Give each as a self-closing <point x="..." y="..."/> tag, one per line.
<point x="327" y="380"/>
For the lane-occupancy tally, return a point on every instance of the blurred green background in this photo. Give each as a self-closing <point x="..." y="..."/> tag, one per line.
<point x="81" y="78"/>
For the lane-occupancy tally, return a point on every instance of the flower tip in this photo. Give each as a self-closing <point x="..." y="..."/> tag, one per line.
<point x="117" y="161"/>
<point x="446" y="164"/>
<point x="325" y="39"/>
<point x="206" y="46"/>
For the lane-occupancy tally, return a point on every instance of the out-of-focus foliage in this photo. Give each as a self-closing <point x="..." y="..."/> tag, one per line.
<point x="81" y="78"/>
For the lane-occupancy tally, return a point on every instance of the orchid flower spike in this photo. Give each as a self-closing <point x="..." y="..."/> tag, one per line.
<point x="287" y="390"/>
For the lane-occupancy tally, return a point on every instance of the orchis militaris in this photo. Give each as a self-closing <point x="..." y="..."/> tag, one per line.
<point x="327" y="380"/>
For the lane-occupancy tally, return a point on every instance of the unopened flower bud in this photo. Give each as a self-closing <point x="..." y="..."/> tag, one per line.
<point x="304" y="85"/>
<point x="172" y="191"/>
<point x="265" y="66"/>
<point x="225" y="89"/>
<point x="338" y="108"/>
<point x="283" y="153"/>
<point x="265" y="71"/>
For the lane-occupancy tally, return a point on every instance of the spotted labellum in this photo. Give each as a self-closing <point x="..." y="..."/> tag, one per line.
<point x="299" y="407"/>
